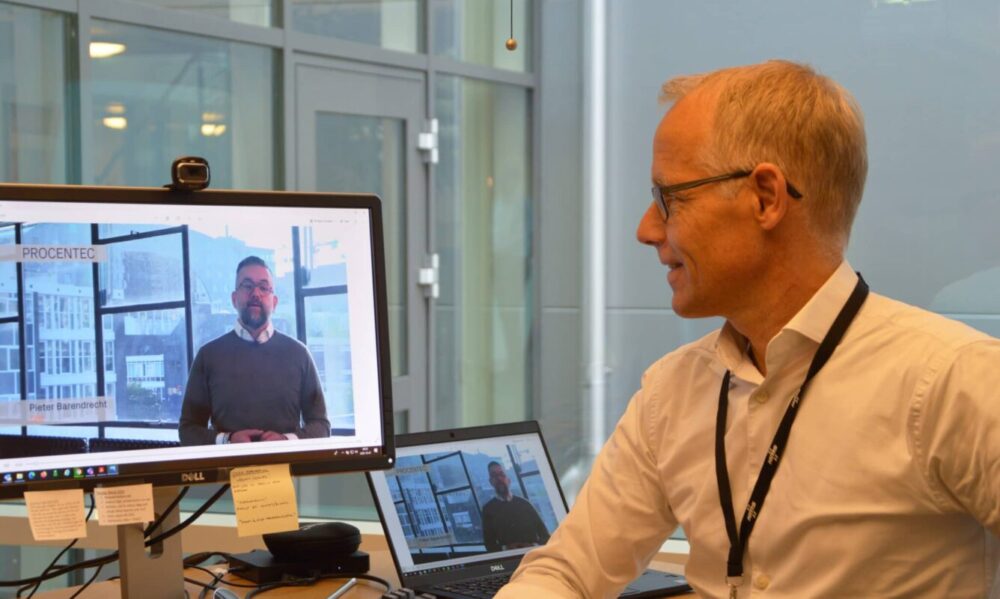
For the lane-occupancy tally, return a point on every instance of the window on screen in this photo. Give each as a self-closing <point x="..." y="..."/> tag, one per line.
<point x="129" y="327"/>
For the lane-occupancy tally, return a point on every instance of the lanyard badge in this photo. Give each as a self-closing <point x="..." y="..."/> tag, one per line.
<point x="738" y="538"/>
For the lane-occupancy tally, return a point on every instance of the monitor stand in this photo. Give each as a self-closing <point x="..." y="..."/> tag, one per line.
<point x="159" y="571"/>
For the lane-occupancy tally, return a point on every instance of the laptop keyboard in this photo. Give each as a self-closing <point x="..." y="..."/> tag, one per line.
<point x="480" y="588"/>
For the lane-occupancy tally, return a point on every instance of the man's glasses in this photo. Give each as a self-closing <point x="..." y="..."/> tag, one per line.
<point x="248" y="286"/>
<point x="662" y="194"/>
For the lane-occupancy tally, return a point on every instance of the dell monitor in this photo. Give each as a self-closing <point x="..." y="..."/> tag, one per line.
<point x="161" y="336"/>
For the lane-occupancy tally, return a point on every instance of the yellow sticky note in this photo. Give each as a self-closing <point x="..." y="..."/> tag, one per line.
<point x="56" y="515"/>
<point x="129" y="504"/>
<point x="264" y="499"/>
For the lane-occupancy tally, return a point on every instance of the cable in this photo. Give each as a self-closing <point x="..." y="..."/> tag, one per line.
<point x="87" y="584"/>
<point x="100" y="561"/>
<point x="196" y="559"/>
<point x="313" y="580"/>
<point x="201" y="510"/>
<point x="52" y="564"/>
<point x="225" y="582"/>
<point x="156" y="523"/>
<point x="216" y="577"/>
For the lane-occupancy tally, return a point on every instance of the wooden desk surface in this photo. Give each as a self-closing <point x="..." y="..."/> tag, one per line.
<point x="381" y="566"/>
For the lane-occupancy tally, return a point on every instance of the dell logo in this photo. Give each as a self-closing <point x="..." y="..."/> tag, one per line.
<point x="192" y="477"/>
<point x="496" y="568"/>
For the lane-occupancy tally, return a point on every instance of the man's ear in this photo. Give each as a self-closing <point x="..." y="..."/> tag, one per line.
<point x="771" y="198"/>
<point x="232" y="298"/>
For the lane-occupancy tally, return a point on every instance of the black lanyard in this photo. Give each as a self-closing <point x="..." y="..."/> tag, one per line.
<point x="738" y="542"/>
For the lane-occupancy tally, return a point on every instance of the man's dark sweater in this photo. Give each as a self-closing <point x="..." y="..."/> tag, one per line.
<point x="514" y="523"/>
<point x="237" y="385"/>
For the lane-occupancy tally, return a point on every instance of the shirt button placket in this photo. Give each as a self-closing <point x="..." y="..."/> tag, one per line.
<point x="761" y="582"/>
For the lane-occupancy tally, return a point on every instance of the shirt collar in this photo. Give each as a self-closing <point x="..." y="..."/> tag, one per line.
<point x="812" y="322"/>
<point x="245" y="335"/>
<point x="816" y="317"/>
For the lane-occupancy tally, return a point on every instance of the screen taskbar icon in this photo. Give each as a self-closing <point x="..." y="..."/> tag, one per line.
<point x="58" y="473"/>
<point x="14" y="477"/>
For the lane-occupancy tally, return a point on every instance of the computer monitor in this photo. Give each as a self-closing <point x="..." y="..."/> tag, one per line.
<point x="127" y="341"/>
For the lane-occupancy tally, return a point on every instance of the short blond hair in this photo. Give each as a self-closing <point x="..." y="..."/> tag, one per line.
<point x="790" y="115"/>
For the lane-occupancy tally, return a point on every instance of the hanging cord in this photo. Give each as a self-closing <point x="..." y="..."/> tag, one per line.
<point x="511" y="42"/>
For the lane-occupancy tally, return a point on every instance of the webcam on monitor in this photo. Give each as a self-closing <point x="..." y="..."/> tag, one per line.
<point x="190" y="173"/>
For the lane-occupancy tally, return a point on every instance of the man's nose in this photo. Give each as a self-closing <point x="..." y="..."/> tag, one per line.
<point x="651" y="230"/>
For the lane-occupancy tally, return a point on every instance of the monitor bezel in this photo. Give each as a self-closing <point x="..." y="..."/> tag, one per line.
<point x="216" y="469"/>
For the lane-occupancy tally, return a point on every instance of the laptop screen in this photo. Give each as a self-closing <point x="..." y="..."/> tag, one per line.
<point x="458" y="502"/>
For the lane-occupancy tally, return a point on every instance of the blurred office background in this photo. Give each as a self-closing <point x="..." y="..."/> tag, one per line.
<point x="529" y="193"/>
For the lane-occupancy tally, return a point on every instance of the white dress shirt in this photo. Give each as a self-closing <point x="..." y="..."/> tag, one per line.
<point x="889" y="487"/>
<point x="262" y="337"/>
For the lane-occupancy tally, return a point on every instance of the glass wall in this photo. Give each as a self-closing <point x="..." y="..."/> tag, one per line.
<point x="483" y="224"/>
<point x="158" y="95"/>
<point x="251" y="12"/>
<point x="924" y="74"/>
<point x="477" y="31"/>
<point x="357" y="152"/>
<point x="390" y="24"/>
<point x="36" y="113"/>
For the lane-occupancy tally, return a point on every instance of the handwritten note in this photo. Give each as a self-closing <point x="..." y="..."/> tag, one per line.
<point x="124" y="505"/>
<point x="56" y="515"/>
<point x="264" y="499"/>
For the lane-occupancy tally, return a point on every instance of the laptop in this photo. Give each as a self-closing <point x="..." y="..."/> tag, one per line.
<point x="448" y="530"/>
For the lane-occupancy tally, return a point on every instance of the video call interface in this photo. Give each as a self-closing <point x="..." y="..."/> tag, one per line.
<point x="95" y="362"/>
<point x="485" y="498"/>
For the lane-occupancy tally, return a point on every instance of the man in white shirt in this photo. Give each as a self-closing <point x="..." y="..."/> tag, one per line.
<point x="886" y="478"/>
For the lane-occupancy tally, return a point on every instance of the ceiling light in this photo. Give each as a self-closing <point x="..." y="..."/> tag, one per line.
<point x="115" y="122"/>
<point x="105" y="49"/>
<point x="212" y="129"/>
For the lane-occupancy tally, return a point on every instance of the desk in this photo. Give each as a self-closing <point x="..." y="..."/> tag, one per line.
<point x="381" y="566"/>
